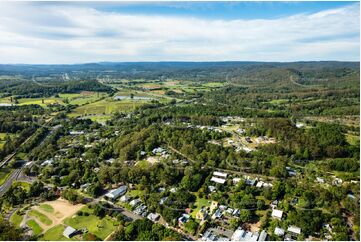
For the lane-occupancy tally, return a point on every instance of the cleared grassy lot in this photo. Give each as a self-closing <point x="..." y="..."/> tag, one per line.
<point x="47" y="208"/>
<point x="82" y="98"/>
<point x="35" y="227"/>
<point x="55" y="234"/>
<point x="16" y="219"/>
<point x="95" y="225"/>
<point x="41" y="217"/>
<point x="106" y="106"/>
<point x="200" y="202"/>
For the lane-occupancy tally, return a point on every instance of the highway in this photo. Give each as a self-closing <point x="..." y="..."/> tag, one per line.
<point x="7" y="184"/>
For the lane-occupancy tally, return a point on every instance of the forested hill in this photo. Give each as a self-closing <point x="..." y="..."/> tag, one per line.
<point x="156" y="69"/>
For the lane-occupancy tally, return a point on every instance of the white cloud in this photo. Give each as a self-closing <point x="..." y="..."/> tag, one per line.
<point x="46" y="33"/>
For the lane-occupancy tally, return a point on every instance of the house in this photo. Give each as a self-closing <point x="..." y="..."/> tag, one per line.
<point x="290" y="171"/>
<point x="248" y="139"/>
<point x="183" y="219"/>
<point x="162" y="200"/>
<point x="337" y="181"/>
<point x="76" y="132"/>
<point x="69" y="232"/>
<point x="209" y="236"/>
<point x="124" y="198"/>
<point x="320" y="180"/>
<point x="263" y="236"/>
<point x="110" y="161"/>
<point x="135" y="202"/>
<point x="220" y="174"/>
<point x="115" y="193"/>
<point x="140" y="209"/>
<point x="294" y="230"/>
<point x="236" y="180"/>
<point x="173" y="190"/>
<point x="218" y="180"/>
<point x="158" y="150"/>
<point x="214" y="205"/>
<point x="243" y="235"/>
<point x="277" y="213"/>
<point x="217" y="214"/>
<point x="279" y="231"/>
<point x="85" y="186"/>
<point x="299" y="125"/>
<point x="202" y="214"/>
<point x="153" y="216"/>
<point x="260" y="184"/>
<point x="161" y="189"/>
<point x="274" y="204"/>
<point x="250" y="182"/>
<point x="236" y="213"/>
<point x="47" y="162"/>
<point x="212" y="188"/>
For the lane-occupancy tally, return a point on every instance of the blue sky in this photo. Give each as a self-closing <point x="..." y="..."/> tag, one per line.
<point x="220" y="10"/>
<point x="78" y="32"/>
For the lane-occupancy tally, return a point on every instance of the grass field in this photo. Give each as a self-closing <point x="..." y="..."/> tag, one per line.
<point x="41" y="217"/>
<point x="35" y="227"/>
<point x="352" y="139"/>
<point x="200" y="202"/>
<point x="40" y="101"/>
<point x="106" y="106"/>
<point x="100" y="227"/>
<point x="82" y="98"/>
<point x="47" y="208"/>
<point x="16" y="219"/>
<point x="55" y="233"/>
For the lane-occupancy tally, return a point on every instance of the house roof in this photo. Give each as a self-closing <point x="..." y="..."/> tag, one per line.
<point x="115" y="193"/>
<point x="277" y="213"/>
<point x="220" y="174"/>
<point x="218" y="180"/>
<point x="263" y="236"/>
<point x="69" y="231"/>
<point x="294" y="229"/>
<point x="279" y="231"/>
<point x="242" y="235"/>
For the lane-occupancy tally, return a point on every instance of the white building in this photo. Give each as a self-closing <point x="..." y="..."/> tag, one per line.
<point x="115" y="193"/>
<point x="277" y="213"/>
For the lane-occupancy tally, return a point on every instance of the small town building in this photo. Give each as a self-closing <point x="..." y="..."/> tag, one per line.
<point x="135" y="202"/>
<point x="277" y="213"/>
<point x="153" y="216"/>
<point x="218" y="180"/>
<point x="263" y="236"/>
<point x="243" y="235"/>
<point x="279" y="231"/>
<point x="294" y="230"/>
<point x="202" y="214"/>
<point x="115" y="193"/>
<point x="69" y="232"/>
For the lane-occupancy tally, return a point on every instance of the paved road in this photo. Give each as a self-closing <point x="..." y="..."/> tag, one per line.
<point x="9" y="181"/>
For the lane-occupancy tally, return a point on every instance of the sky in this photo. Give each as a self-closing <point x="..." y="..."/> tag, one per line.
<point x="84" y="32"/>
